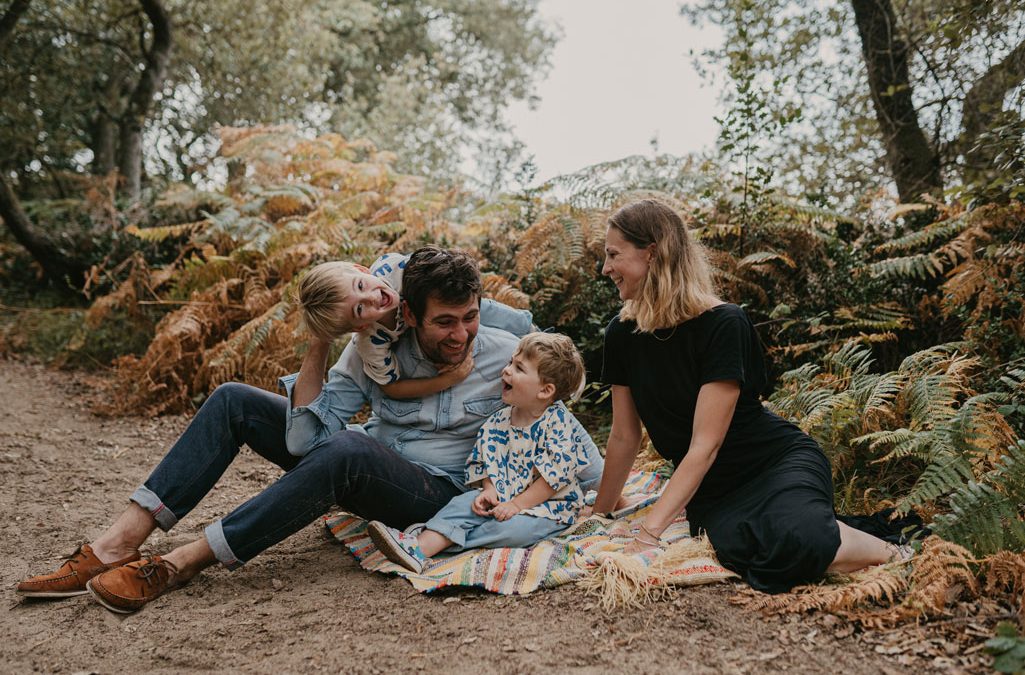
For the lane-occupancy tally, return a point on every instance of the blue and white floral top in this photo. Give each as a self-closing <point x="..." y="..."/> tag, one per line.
<point x="513" y="457"/>
<point x="375" y="345"/>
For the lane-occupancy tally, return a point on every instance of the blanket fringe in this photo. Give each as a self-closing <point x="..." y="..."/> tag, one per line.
<point x="620" y="580"/>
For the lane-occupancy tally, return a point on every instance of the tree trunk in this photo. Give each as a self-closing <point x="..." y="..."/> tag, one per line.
<point x="10" y="18"/>
<point x="913" y="162"/>
<point x="55" y="264"/>
<point x="984" y="111"/>
<point x="104" y="145"/>
<point x="150" y="81"/>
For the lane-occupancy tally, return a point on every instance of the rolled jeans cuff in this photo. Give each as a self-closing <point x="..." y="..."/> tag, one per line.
<point x="219" y="545"/>
<point x="450" y="531"/>
<point x="149" y="500"/>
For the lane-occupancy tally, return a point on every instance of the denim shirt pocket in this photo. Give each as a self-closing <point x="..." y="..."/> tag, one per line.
<point x="483" y="406"/>
<point x="399" y="409"/>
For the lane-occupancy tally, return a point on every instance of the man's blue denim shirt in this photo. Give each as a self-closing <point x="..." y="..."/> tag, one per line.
<point x="436" y="432"/>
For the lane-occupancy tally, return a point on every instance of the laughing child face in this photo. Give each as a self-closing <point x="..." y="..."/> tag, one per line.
<point x="522" y="386"/>
<point x="368" y="300"/>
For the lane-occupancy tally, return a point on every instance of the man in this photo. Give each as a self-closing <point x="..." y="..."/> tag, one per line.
<point x="401" y="467"/>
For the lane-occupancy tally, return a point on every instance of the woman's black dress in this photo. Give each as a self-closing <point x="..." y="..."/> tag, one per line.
<point x="766" y="503"/>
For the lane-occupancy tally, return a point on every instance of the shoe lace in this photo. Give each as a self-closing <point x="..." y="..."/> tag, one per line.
<point x="150" y="571"/>
<point x="75" y="558"/>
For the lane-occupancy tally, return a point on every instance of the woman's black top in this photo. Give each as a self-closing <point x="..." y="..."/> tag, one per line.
<point x="666" y="369"/>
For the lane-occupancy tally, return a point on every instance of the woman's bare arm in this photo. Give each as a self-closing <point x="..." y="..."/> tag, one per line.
<point x="712" y="416"/>
<point x="624" y="444"/>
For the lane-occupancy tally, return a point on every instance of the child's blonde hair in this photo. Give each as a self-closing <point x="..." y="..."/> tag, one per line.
<point x="321" y="294"/>
<point x="558" y="362"/>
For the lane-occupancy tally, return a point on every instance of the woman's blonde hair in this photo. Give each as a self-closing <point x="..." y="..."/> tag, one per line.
<point x="321" y="294"/>
<point x="679" y="283"/>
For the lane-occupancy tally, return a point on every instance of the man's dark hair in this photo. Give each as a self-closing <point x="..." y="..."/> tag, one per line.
<point x="447" y="275"/>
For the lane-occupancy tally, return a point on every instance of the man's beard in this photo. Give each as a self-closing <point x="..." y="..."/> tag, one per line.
<point x="439" y="357"/>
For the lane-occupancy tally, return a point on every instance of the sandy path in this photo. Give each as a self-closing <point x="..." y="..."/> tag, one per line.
<point x="305" y="604"/>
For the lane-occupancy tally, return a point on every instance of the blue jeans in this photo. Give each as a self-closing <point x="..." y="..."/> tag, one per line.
<point x="466" y="530"/>
<point x="348" y="469"/>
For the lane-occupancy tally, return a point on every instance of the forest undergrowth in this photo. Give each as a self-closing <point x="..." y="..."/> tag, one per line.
<point x="895" y="334"/>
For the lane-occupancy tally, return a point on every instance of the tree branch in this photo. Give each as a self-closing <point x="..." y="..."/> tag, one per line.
<point x="984" y="110"/>
<point x="55" y="264"/>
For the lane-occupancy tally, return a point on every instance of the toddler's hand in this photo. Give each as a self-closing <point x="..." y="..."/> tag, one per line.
<point x="505" y="511"/>
<point x="484" y="502"/>
<point x="459" y="371"/>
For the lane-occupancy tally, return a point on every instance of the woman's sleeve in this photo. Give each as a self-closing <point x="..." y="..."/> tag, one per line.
<point x="728" y="350"/>
<point x="613" y="370"/>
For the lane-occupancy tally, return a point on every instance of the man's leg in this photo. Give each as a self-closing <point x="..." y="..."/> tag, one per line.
<point x="351" y="470"/>
<point x="234" y="415"/>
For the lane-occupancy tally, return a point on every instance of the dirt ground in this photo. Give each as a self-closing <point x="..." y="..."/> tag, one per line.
<point x="306" y="605"/>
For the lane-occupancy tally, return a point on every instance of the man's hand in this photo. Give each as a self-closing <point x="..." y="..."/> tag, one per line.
<point x="505" y="510"/>
<point x="485" y="502"/>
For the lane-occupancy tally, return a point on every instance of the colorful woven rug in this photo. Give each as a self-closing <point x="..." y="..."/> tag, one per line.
<point x="516" y="571"/>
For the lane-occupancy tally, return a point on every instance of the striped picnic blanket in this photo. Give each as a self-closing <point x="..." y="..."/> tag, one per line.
<point x="551" y="562"/>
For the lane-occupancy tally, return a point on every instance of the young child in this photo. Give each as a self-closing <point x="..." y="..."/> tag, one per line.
<point x="525" y="461"/>
<point x="340" y="297"/>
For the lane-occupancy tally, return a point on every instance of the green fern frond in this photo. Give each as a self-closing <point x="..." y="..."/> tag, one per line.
<point x="810" y="211"/>
<point x="927" y="236"/>
<point x="762" y="257"/>
<point x="850" y="360"/>
<point x="884" y="438"/>
<point x="985" y="515"/>
<point x="922" y="266"/>
<point x="259" y="334"/>
<point x="883" y="391"/>
<point x="938" y="479"/>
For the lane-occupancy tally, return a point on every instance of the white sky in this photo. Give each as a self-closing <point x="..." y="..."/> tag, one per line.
<point x="621" y="75"/>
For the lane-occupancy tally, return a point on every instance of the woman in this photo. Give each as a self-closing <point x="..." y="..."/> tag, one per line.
<point x="690" y="367"/>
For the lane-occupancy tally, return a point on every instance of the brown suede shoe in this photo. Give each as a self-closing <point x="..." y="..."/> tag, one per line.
<point x="126" y="589"/>
<point x="70" y="579"/>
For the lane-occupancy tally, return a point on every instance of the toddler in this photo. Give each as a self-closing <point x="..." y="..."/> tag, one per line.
<point x="341" y="297"/>
<point x="525" y="461"/>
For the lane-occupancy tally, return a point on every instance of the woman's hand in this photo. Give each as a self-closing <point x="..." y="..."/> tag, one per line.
<point x="485" y="502"/>
<point x="505" y="510"/>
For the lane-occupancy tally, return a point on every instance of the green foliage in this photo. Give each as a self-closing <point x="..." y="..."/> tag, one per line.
<point x="986" y="515"/>
<point x="814" y="49"/>
<point x="918" y="435"/>
<point x="429" y="79"/>
<point x="61" y="337"/>
<point x="39" y="333"/>
<point x="1007" y="648"/>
